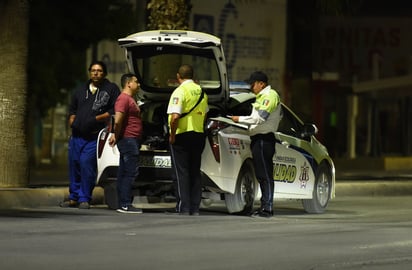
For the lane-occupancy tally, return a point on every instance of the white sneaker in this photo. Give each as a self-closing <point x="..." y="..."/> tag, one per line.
<point x="129" y="210"/>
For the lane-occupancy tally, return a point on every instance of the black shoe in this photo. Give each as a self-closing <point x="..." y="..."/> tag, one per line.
<point x="263" y="213"/>
<point x="266" y="214"/>
<point x="174" y="212"/>
<point x="129" y="210"/>
<point x="171" y="212"/>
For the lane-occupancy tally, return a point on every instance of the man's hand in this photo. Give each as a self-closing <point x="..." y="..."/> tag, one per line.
<point x="234" y="118"/>
<point x="112" y="140"/>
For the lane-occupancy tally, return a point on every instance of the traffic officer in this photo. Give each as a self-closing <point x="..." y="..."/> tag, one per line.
<point x="187" y="109"/>
<point x="263" y="122"/>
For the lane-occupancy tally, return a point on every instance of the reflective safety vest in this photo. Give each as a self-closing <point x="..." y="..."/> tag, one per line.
<point x="182" y="100"/>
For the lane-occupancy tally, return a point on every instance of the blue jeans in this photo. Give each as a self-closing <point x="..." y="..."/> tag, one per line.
<point x="128" y="169"/>
<point x="82" y="169"/>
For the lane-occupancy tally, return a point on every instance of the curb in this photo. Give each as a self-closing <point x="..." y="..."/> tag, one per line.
<point x="11" y="198"/>
<point x="39" y="197"/>
<point x="374" y="188"/>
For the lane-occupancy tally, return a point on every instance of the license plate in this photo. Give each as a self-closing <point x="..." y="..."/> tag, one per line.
<point x="155" y="161"/>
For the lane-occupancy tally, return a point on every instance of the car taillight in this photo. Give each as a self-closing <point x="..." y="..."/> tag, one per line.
<point x="102" y="141"/>
<point x="104" y="136"/>
<point x="212" y="131"/>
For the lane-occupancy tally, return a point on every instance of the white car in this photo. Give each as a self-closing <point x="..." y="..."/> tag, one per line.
<point x="302" y="167"/>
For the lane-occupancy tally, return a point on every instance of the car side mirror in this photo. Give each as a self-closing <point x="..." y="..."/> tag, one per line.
<point x="308" y="130"/>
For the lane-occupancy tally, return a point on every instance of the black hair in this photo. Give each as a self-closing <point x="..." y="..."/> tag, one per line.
<point x="100" y="63"/>
<point x="126" y="78"/>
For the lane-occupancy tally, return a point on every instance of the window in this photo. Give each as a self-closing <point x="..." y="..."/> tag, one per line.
<point x="156" y="67"/>
<point x="289" y="124"/>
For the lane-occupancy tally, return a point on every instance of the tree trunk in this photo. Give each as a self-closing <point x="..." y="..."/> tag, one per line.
<point x="13" y="85"/>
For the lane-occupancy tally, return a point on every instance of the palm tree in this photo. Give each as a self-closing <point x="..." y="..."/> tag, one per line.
<point x="13" y="85"/>
<point x="169" y="14"/>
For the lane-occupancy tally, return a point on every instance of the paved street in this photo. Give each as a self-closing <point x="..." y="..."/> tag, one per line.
<point x="355" y="233"/>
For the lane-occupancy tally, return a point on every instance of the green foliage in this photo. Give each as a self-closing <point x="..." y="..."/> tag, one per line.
<point x="169" y="14"/>
<point x="59" y="34"/>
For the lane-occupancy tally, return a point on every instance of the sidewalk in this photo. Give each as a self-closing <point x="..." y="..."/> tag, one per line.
<point x="373" y="182"/>
<point x="53" y="188"/>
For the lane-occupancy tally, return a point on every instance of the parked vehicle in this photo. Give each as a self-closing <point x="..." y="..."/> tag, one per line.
<point x="302" y="167"/>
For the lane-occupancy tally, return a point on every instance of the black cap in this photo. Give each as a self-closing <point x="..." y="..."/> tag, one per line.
<point x="257" y="76"/>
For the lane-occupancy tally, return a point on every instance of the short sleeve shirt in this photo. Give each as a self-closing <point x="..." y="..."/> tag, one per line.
<point x="182" y="100"/>
<point x="133" y="127"/>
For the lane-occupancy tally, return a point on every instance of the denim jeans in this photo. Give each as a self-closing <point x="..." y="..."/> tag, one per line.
<point x="128" y="169"/>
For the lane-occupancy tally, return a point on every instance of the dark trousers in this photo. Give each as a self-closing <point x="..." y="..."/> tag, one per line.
<point x="263" y="149"/>
<point x="128" y="169"/>
<point x="186" y="155"/>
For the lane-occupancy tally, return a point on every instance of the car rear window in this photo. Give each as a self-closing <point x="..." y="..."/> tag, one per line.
<point x="156" y="67"/>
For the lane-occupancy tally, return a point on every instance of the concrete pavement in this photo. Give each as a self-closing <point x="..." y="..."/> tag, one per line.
<point x="48" y="192"/>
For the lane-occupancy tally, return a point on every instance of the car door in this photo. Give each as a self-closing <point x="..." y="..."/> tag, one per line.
<point x="294" y="166"/>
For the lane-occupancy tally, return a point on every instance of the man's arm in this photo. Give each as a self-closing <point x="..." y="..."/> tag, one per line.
<point x="118" y="127"/>
<point x="103" y="117"/>
<point x="174" y="120"/>
<point x="114" y="94"/>
<point x="71" y="119"/>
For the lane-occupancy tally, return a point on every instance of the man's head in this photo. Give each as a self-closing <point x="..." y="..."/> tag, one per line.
<point x="257" y="76"/>
<point x="97" y="71"/>
<point x="129" y="83"/>
<point x="257" y="81"/>
<point x="185" y="72"/>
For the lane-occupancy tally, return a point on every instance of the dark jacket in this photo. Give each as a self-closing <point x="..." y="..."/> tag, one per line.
<point x="86" y="106"/>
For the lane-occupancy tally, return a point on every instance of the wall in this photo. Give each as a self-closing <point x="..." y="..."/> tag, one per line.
<point x="364" y="48"/>
<point x="253" y="34"/>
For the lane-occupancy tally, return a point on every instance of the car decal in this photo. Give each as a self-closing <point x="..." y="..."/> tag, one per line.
<point x="284" y="168"/>
<point x="304" y="175"/>
<point x="308" y="157"/>
<point x="284" y="173"/>
<point x="288" y="169"/>
<point x="235" y="145"/>
<point x="155" y="161"/>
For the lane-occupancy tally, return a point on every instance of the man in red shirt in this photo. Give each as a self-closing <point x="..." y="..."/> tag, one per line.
<point x="128" y="131"/>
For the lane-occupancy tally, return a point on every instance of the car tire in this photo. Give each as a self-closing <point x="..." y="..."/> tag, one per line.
<point x="242" y="201"/>
<point x="321" y="191"/>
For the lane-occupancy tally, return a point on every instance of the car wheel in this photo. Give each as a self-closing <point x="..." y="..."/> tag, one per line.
<point x="110" y="195"/>
<point x="242" y="200"/>
<point x="321" y="191"/>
